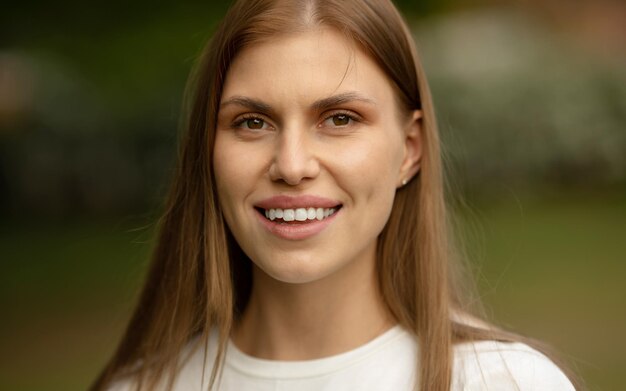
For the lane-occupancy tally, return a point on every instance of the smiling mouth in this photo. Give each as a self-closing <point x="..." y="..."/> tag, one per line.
<point x="297" y="215"/>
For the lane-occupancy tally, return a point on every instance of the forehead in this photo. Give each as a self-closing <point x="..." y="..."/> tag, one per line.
<point x="304" y="67"/>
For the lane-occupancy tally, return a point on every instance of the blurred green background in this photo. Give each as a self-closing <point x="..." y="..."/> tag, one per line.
<point x="531" y="99"/>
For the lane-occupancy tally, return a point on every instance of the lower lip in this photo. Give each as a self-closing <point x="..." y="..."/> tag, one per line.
<point x="297" y="231"/>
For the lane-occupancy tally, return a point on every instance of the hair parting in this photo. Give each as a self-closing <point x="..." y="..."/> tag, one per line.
<point x="199" y="278"/>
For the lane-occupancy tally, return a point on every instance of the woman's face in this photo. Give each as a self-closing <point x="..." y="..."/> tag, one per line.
<point x="310" y="148"/>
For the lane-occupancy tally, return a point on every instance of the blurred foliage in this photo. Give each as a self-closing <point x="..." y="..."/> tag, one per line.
<point x="97" y="128"/>
<point x="89" y="101"/>
<point x="89" y="105"/>
<point x="520" y="105"/>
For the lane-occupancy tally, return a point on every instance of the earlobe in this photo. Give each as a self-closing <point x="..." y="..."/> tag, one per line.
<point x="412" y="148"/>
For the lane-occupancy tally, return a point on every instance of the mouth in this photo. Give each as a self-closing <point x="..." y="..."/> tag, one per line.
<point x="301" y="215"/>
<point x="297" y="217"/>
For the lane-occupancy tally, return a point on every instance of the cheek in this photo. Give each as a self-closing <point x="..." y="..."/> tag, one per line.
<point x="368" y="174"/>
<point x="372" y="180"/>
<point x="231" y="176"/>
<point x="370" y="167"/>
<point x="222" y="168"/>
<point x="235" y="166"/>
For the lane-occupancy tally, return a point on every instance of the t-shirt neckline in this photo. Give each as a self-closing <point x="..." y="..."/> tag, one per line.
<point x="277" y="369"/>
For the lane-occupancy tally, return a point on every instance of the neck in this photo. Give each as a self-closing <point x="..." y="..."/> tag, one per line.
<point x="336" y="314"/>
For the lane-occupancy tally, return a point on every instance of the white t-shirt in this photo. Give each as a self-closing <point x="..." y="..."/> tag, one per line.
<point x="388" y="362"/>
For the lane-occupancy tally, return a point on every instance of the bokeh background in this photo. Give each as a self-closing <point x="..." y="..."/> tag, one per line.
<point x="531" y="99"/>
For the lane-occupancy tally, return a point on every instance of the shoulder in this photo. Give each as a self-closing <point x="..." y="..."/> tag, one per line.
<point x="190" y="376"/>
<point x="491" y="365"/>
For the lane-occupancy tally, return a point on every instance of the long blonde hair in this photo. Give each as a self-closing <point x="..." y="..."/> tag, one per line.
<point x="199" y="278"/>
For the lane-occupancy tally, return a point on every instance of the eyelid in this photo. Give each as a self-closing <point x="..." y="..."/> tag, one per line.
<point x="351" y="114"/>
<point x="241" y="118"/>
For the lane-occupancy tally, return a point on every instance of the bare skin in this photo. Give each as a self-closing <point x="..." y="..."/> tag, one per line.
<point x="314" y="320"/>
<point x="322" y="121"/>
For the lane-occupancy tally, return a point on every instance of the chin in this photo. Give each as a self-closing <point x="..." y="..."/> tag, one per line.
<point x="295" y="270"/>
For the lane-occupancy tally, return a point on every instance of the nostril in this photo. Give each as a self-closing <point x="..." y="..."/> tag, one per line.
<point x="293" y="164"/>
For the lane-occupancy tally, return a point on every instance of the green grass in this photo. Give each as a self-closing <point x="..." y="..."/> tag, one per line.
<point x="554" y="270"/>
<point x="66" y="291"/>
<point x="549" y="269"/>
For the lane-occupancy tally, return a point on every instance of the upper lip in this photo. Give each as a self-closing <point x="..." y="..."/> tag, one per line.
<point x="293" y="202"/>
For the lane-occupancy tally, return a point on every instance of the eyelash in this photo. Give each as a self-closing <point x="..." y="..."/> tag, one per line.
<point x="352" y="117"/>
<point x="239" y="121"/>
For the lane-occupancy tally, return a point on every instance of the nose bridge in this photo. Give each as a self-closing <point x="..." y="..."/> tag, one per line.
<point x="294" y="158"/>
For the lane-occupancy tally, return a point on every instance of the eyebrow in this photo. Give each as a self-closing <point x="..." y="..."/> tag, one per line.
<point x="250" y="103"/>
<point x="318" y="106"/>
<point x="331" y="101"/>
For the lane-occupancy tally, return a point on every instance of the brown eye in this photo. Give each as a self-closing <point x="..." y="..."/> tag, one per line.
<point x="341" y="120"/>
<point x="255" y="123"/>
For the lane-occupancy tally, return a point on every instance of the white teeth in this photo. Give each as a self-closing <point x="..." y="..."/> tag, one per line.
<point x="288" y="214"/>
<point x="299" y="214"/>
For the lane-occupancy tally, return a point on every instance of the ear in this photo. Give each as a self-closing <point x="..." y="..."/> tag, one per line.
<point x="412" y="149"/>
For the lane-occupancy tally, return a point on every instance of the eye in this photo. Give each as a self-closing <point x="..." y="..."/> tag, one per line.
<point x="340" y="120"/>
<point x="251" y="122"/>
<point x="254" y="123"/>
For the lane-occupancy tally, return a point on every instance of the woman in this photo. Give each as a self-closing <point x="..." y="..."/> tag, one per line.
<point x="304" y="245"/>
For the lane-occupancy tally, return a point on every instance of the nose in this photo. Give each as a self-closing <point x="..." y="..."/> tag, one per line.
<point x="294" y="160"/>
